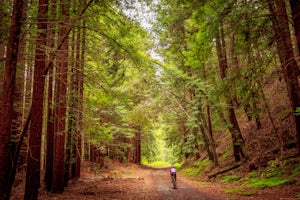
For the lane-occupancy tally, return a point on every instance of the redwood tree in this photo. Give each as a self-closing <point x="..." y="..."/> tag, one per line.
<point x="7" y="112"/>
<point x="33" y="161"/>
<point x="286" y="55"/>
<point x="295" y="7"/>
<point x="50" y="124"/>
<point x="237" y="138"/>
<point x="61" y="104"/>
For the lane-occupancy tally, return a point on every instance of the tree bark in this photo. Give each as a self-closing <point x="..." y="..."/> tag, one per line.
<point x="80" y="59"/>
<point x="58" y="182"/>
<point x="286" y="54"/>
<point x="211" y="138"/>
<point x="50" y="106"/>
<point x="295" y="7"/>
<point x="237" y="138"/>
<point x="7" y="112"/>
<point x="33" y="162"/>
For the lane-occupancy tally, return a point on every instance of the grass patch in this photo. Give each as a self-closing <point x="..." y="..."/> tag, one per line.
<point x="202" y="164"/>
<point x="270" y="177"/>
<point x="158" y="164"/>
<point x="240" y="191"/>
<point x="177" y="165"/>
<point x="191" y="171"/>
<point x="230" y="179"/>
<point x="196" y="168"/>
<point x="265" y="183"/>
<point x="155" y="164"/>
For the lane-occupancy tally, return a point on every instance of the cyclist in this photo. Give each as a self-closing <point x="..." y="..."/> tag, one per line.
<point x="173" y="175"/>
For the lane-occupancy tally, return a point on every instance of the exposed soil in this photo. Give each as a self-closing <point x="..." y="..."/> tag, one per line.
<point x="130" y="181"/>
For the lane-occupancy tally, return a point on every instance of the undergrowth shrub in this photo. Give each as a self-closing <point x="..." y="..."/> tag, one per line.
<point x="267" y="182"/>
<point x="225" y="155"/>
<point x="274" y="174"/>
<point x="240" y="191"/>
<point x="230" y="179"/>
<point x="270" y="177"/>
<point x="197" y="168"/>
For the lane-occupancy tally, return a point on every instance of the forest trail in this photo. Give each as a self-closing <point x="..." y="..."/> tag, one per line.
<point x="130" y="181"/>
<point x="133" y="182"/>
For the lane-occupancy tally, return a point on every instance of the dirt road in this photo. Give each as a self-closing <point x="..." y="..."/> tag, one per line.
<point x="130" y="183"/>
<point x="164" y="190"/>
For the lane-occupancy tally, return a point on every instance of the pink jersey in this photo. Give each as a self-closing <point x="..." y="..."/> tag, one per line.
<point x="173" y="170"/>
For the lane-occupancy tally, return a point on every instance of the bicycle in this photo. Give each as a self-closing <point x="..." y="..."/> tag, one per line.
<point x="174" y="181"/>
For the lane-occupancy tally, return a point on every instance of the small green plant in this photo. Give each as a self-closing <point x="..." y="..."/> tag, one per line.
<point x="202" y="164"/>
<point x="296" y="170"/>
<point x="191" y="171"/>
<point x="297" y="111"/>
<point x="159" y="164"/>
<point x="230" y="179"/>
<point x="253" y="174"/>
<point x="225" y="155"/>
<point x="240" y="191"/>
<point x="177" y="165"/>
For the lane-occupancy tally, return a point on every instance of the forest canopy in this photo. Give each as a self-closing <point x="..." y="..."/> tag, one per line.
<point x="143" y="81"/>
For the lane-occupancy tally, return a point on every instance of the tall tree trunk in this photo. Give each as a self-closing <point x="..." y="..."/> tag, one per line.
<point x="137" y="146"/>
<point x="80" y="59"/>
<point x="4" y="13"/>
<point x="295" y="7"/>
<point x="211" y="138"/>
<point x="287" y="58"/>
<point x="50" y="106"/>
<point x="18" y="108"/>
<point x="237" y="138"/>
<point x="254" y="94"/>
<point x="212" y="142"/>
<point x="61" y="103"/>
<point x="7" y="112"/>
<point x="185" y="132"/>
<point x="71" y="115"/>
<point x="36" y="125"/>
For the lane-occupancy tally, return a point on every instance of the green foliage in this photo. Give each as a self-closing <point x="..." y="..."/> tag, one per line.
<point x="202" y="164"/>
<point x="167" y="100"/>
<point x="197" y="168"/>
<point x="119" y="79"/>
<point x="240" y="191"/>
<point x="230" y="179"/>
<point x="267" y="182"/>
<point x="155" y="164"/>
<point x="270" y="177"/>
<point x="296" y="170"/>
<point x="177" y="165"/>
<point x="191" y="171"/>
<point x="225" y="155"/>
<point x="297" y="111"/>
